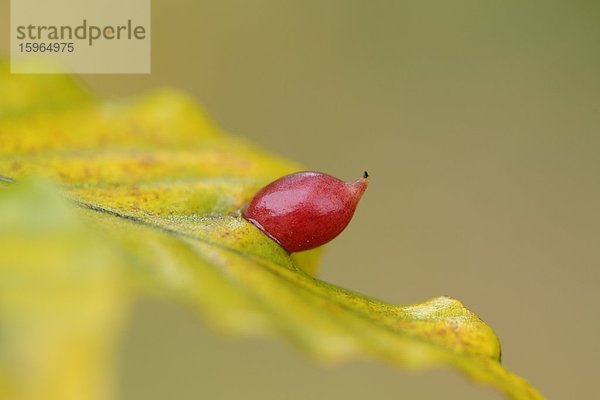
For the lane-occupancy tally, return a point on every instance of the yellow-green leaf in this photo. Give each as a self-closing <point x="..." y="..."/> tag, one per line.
<point x="154" y="193"/>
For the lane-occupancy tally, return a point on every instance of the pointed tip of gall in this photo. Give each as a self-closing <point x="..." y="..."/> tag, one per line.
<point x="360" y="185"/>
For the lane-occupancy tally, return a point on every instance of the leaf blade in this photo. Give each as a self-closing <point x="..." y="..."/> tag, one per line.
<point x="166" y="187"/>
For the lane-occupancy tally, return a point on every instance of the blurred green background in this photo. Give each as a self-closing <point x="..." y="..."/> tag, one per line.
<point x="479" y="122"/>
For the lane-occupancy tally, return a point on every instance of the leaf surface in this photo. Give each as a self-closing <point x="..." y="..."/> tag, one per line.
<point x="152" y="194"/>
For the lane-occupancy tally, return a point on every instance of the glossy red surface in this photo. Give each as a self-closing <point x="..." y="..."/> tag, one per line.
<point x="305" y="210"/>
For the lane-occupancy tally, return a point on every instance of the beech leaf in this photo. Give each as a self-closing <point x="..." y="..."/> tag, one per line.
<point x="143" y="196"/>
